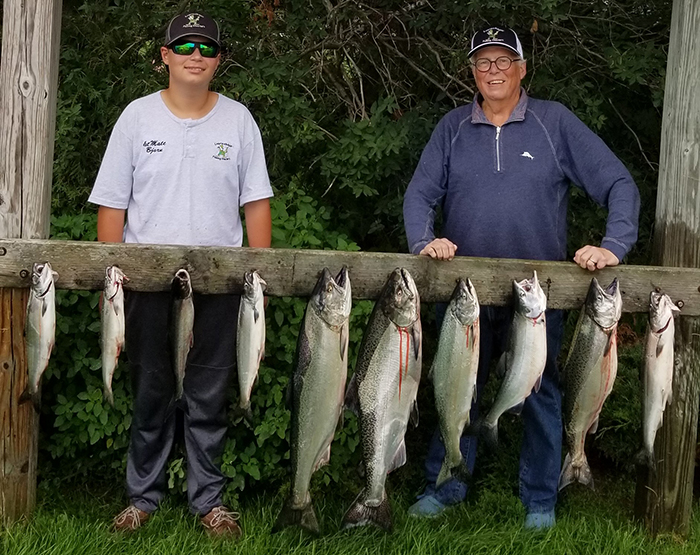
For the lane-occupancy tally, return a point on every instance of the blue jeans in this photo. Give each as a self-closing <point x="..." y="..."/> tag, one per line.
<point x="540" y="453"/>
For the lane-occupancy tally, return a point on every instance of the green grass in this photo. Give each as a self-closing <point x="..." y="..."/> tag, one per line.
<point x="77" y="521"/>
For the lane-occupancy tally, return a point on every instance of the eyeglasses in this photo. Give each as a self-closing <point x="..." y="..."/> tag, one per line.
<point x="186" y="48"/>
<point x="503" y="63"/>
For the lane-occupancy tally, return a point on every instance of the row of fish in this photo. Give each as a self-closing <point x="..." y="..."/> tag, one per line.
<point x="41" y="328"/>
<point x="384" y="386"/>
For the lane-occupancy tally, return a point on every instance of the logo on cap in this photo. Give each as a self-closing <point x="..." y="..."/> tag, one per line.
<point x="193" y="20"/>
<point x="492" y="33"/>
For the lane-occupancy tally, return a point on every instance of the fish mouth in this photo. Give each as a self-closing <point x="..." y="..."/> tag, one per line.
<point x="612" y="288"/>
<point x="406" y="283"/>
<point x="342" y="278"/>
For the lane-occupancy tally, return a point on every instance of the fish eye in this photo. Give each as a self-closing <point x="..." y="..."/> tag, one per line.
<point x="329" y="287"/>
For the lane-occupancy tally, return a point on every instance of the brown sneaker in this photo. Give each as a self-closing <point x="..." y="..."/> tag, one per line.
<point x="221" y="523"/>
<point x="130" y="519"/>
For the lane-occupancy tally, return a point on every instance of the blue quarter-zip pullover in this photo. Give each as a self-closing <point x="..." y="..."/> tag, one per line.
<point x="504" y="190"/>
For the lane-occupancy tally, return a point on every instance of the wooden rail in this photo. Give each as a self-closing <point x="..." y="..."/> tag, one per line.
<point x="294" y="272"/>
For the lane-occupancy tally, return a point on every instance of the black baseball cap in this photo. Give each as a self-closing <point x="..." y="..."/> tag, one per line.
<point x="496" y="36"/>
<point x="192" y="24"/>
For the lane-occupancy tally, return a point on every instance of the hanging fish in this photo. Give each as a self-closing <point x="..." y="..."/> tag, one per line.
<point x="182" y="326"/>
<point x="657" y="378"/>
<point x="40" y="329"/>
<point x="250" y="338"/>
<point x="318" y="389"/>
<point x="453" y="373"/>
<point x="589" y="375"/>
<point x="383" y="393"/>
<point x="112" y="333"/>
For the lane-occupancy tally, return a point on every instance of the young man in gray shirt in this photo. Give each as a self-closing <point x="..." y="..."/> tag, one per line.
<point x="179" y="165"/>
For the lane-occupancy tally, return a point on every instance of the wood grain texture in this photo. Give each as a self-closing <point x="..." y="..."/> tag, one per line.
<point x="28" y="87"/>
<point x="664" y="499"/>
<point x="288" y="272"/>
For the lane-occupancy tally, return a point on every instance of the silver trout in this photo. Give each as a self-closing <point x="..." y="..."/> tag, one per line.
<point x="250" y="338"/>
<point x="112" y="332"/>
<point x="318" y="390"/>
<point x="589" y="375"/>
<point x="454" y="373"/>
<point x="40" y="329"/>
<point x="383" y="392"/>
<point x="524" y="359"/>
<point x="181" y="326"/>
<point x="657" y="376"/>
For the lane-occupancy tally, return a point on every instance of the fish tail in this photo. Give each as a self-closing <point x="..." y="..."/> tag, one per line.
<point x="360" y="514"/>
<point x="571" y="473"/>
<point x="244" y="411"/>
<point x="302" y="516"/>
<point x="645" y="457"/>
<point x="108" y="395"/>
<point x="460" y="472"/>
<point x="34" y="397"/>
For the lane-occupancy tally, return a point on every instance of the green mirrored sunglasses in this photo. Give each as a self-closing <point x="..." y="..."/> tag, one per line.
<point x="185" y="48"/>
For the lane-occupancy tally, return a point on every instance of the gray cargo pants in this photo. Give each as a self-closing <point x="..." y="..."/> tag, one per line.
<point x="209" y="370"/>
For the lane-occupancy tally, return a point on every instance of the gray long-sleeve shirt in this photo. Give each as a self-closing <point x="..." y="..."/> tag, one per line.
<point x="504" y="190"/>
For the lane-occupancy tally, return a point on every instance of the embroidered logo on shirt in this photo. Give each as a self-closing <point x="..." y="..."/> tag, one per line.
<point x="526" y="154"/>
<point x="153" y="146"/>
<point x="222" y="153"/>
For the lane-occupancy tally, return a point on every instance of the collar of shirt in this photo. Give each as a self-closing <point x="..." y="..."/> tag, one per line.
<point x="518" y="113"/>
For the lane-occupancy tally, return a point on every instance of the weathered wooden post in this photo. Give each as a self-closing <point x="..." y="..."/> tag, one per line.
<point x="664" y="500"/>
<point x="28" y="86"/>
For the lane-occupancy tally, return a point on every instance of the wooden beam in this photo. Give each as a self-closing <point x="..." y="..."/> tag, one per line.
<point x="28" y="87"/>
<point x="664" y="499"/>
<point x="294" y="272"/>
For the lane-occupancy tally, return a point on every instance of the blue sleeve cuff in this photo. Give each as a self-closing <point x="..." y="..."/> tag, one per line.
<point x="615" y="247"/>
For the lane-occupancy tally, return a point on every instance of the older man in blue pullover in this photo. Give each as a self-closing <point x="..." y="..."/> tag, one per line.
<point x="500" y="169"/>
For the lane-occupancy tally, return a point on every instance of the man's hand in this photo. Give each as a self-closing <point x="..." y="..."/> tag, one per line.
<point x="594" y="258"/>
<point x="442" y="249"/>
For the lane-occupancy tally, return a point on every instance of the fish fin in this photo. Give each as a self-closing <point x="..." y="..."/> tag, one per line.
<point x="245" y="412"/>
<point x="44" y="306"/>
<point x="502" y="366"/>
<point x="261" y="355"/>
<point x="571" y="474"/>
<point x="516" y="409"/>
<point x="474" y="428"/>
<point x="538" y="383"/>
<point x="609" y="344"/>
<point x="414" y="414"/>
<point x="594" y="427"/>
<point x="417" y="333"/>
<point x="670" y="397"/>
<point x="659" y="348"/>
<point x="360" y="514"/>
<point x="341" y="421"/>
<point x="460" y="473"/>
<point x="344" y="337"/>
<point x="644" y="457"/>
<point x="399" y="458"/>
<point x="352" y="401"/>
<point x="256" y="314"/>
<point x="323" y="460"/>
<point x="305" y="517"/>
<point x="108" y="395"/>
<point x="191" y="339"/>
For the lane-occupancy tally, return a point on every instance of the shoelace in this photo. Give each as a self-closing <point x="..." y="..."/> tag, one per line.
<point x="222" y="515"/>
<point x="130" y="512"/>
